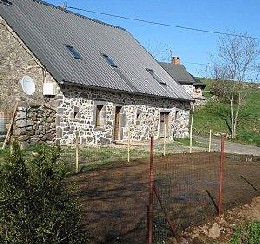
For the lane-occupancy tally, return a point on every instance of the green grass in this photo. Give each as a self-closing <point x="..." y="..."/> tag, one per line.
<point x="248" y="129"/>
<point x="249" y="233"/>
<point x="91" y="158"/>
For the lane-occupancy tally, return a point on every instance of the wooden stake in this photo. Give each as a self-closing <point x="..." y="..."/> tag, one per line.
<point x="210" y="135"/>
<point x="128" y="145"/>
<point x="9" y="131"/>
<point x="164" y="141"/>
<point x="191" y="127"/>
<point x="77" y="150"/>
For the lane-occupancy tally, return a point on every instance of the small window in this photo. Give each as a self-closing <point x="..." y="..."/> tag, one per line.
<point x="98" y="115"/>
<point x="6" y="2"/>
<point x="155" y="76"/>
<point x="73" y="52"/>
<point x="138" y="114"/>
<point x="176" y="115"/>
<point x="109" y="60"/>
<point x="75" y="112"/>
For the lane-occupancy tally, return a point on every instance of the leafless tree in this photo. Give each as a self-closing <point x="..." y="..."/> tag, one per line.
<point x="234" y="64"/>
<point x="160" y="51"/>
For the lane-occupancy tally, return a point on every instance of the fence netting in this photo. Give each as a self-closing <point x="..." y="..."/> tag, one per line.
<point x="115" y="198"/>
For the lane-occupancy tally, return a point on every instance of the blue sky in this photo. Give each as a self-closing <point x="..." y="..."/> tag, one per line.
<point x="193" y="47"/>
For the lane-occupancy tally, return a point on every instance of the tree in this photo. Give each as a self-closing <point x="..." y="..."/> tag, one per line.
<point x="35" y="203"/>
<point x="234" y="64"/>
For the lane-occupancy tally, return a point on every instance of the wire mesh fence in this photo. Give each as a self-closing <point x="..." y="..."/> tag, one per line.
<point x="115" y="198"/>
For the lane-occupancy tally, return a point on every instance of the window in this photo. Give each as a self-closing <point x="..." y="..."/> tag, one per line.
<point x="98" y="115"/>
<point x="176" y="114"/>
<point x="73" y="51"/>
<point x="75" y="111"/>
<point x="109" y="60"/>
<point x="6" y="2"/>
<point x="155" y="76"/>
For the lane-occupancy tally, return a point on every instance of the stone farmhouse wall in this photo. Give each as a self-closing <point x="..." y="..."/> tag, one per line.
<point x="35" y="111"/>
<point x="17" y="61"/>
<point x="139" y="114"/>
<point x="196" y="93"/>
<point x="55" y="119"/>
<point x="189" y="89"/>
<point x="35" y="124"/>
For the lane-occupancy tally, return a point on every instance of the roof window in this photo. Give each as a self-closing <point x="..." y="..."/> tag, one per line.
<point x="109" y="60"/>
<point x="73" y="52"/>
<point x="156" y="77"/>
<point x="6" y="2"/>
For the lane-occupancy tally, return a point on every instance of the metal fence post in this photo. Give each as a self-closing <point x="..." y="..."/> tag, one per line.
<point x="222" y="155"/>
<point x="150" y="204"/>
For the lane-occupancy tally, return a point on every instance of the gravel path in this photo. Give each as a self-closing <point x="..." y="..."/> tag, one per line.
<point x="230" y="147"/>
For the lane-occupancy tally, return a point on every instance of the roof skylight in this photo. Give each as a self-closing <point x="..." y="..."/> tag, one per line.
<point x="73" y="51"/>
<point x="156" y="77"/>
<point x="109" y="60"/>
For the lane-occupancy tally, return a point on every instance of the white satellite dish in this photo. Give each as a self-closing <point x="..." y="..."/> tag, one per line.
<point x="28" y="85"/>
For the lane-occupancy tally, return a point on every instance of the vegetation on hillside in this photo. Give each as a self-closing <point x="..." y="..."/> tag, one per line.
<point x="215" y="115"/>
<point x="234" y="63"/>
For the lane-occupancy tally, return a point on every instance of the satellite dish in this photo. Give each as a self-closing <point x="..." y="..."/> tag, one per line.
<point x="28" y="85"/>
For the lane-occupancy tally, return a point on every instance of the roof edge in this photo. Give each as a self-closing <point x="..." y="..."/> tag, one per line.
<point x="70" y="83"/>
<point x="79" y="15"/>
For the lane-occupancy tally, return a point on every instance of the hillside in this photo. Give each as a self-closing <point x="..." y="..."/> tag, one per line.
<point x="212" y="116"/>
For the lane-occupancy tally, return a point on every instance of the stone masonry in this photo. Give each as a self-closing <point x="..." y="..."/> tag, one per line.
<point x="139" y="114"/>
<point x="35" y="124"/>
<point x="55" y="119"/>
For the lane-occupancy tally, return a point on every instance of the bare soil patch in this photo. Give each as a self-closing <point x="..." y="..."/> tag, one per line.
<point x="115" y="199"/>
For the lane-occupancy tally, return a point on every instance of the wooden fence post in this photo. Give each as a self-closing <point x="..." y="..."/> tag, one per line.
<point x="128" y="144"/>
<point x="191" y="127"/>
<point x="164" y="139"/>
<point x="210" y="138"/>
<point x="9" y="131"/>
<point x="77" y="150"/>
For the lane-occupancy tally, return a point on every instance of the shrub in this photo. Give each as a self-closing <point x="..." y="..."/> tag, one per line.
<point x="36" y="205"/>
<point x="249" y="233"/>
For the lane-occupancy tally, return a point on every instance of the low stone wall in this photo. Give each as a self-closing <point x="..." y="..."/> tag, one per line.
<point x="35" y="124"/>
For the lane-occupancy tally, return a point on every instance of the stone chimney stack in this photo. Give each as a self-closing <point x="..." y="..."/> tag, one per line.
<point x="176" y="60"/>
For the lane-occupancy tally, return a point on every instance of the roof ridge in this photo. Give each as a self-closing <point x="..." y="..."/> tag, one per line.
<point x="79" y="15"/>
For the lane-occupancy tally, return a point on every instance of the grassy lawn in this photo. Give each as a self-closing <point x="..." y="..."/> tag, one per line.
<point x="91" y="158"/>
<point x="248" y="129"/>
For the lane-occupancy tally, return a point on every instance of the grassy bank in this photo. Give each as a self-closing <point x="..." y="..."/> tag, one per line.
<point x="211" y="117"/>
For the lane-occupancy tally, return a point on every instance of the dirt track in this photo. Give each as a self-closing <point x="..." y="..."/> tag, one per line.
<point x="230" y="147"/>
<point x="115" y="199"/>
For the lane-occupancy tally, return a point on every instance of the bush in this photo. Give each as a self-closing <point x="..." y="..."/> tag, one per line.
<point x="36" y="205"/>
<point x="249" y="233"/>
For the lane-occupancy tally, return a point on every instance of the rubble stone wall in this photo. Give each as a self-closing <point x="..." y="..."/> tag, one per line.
<point x="55" y="119"/>
<point x="139" y="114"/>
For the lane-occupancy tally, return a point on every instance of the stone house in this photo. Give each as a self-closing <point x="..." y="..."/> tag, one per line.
<point x="191" y="84"/>
<point x="69" y="74"/>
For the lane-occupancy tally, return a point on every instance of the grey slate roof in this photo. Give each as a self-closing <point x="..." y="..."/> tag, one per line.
<point x="179" y="73"/>
<point x="46" y="30"/>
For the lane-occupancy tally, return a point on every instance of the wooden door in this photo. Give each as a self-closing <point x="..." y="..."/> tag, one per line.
<point x="117" y="124"/>
<point x="164" y="121"/>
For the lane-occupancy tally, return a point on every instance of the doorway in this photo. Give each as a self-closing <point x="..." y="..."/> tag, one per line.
<point x="117" y="123"/>
<point x="164" y="124"/>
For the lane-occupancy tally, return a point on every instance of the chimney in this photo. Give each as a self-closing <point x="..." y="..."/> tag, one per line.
<point x="176" y="60"/>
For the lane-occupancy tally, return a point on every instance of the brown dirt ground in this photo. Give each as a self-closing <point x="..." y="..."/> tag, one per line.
<point x="114" y="200"/>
